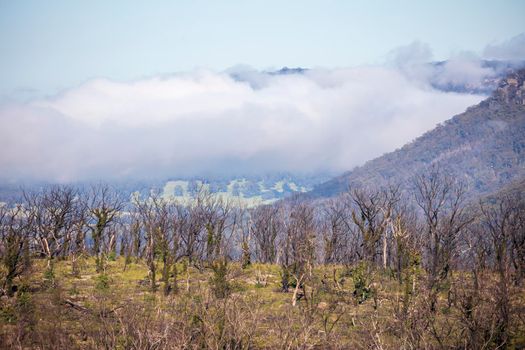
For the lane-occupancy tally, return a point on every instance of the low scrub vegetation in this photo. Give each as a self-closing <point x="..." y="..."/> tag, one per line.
<point x="372" y="269"/>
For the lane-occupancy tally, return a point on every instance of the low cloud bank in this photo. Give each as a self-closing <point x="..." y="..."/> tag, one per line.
<point x="206" y="122"/>
<point x="236" y="122"/>
<point x="512" y="49"/>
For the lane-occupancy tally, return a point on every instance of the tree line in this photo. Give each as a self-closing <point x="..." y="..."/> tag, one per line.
<point x="423" y="237"/>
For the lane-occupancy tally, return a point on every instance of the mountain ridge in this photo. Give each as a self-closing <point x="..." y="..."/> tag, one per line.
<point x="485" y="146"/>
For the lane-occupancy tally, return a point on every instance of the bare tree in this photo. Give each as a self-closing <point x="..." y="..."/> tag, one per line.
<point x="440" y="199"/>
<point x="56" y="212"/>
<point x="215" y="214"/>
<point x="372" y="215"/>
<point x="104" y="207"/>
<point x="264" y="228"/>
<point x="517" y="239"/>
<point x="156" y="221"/>
<point x="188" y="230"/>
<point x="368" y="218"/>
<point x="334" y="227"/>
<point x="15" y="227"/>
<point x="406" y="241"/>
<point x="245" y="235"/>
<point x="503" y="221"/>
<point x="80" y="231"/>
<point x="300" y="243"/>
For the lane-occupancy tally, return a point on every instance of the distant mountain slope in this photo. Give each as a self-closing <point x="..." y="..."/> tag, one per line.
<point x="485" y="146"/>
<point x="247" y="190"/>
<point x="443" y="79"/>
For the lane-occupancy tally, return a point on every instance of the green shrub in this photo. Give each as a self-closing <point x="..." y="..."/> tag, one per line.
<point x="102" y="282"/>
<point x="219" y="281"/>
<point x="7" y="313"/>
<point x="49" y="277"/>
<point x="112" y="256"/>
<point x="285" y="278"/>
<point x="361" y="278"/>
<point x="24" y="301"/>
<point x="246" y="258"/>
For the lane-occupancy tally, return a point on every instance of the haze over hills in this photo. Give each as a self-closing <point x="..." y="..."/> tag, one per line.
<point x="482" y="77"/>
<point x="484" y="146"/>
<point x="466" y="75"/>
<point x="473" y="77"/>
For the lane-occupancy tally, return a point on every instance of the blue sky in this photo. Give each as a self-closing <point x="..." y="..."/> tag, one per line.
<point x="96" y="90"/>
<point x="51" y="45"/>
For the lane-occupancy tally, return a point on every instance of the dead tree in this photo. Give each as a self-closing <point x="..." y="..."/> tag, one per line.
<point x="300" y="231"/>
<point x="335" y="230"/>
<point x="104" y="208"/>
<point x="391" y="198"/>
<point x="245" y="236"/>
<point x="264" y="228"/>
<point x="440" y="199"/>
<point x="188" y="230"/>
<point x="406" y="252"/>
<point x="80" y="231"/>
<point x="153" y="221"/>
<point x="56" y="212"/>
<point x="15" y="226"/>
<point x="163" y="227"/>
<point x="371" y="213"/>
<point x="517" y="239"/>
<point x="503" y="221"/>
<point x="215" y="214"/>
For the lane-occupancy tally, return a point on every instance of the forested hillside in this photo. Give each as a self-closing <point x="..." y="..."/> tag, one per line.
<point x="484" y="146"/>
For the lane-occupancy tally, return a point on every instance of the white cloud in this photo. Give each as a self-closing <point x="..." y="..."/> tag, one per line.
<point x="463" y="70"/>
<point x="512" y="49"/>
<point x="416" y="52"/>
<point x="207" y="122"/>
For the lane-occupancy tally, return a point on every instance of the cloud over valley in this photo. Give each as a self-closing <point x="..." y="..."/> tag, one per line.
<point x="236" y="122"/>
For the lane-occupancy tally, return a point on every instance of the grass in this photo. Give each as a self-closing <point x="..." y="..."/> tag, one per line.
<point x="115" y="305"/>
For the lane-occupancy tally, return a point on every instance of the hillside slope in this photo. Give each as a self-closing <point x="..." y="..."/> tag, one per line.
<point x="485" y="146"/>
<point x="246" y="190"/>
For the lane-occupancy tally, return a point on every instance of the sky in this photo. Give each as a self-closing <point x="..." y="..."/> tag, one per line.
<point x="124" y="89"/>
<point x="52" y="45"/>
